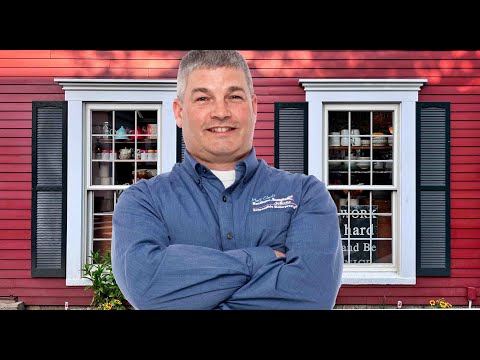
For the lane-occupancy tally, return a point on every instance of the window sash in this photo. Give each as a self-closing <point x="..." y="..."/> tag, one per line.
<point x="393" y="188"/>
<point x="90" y="238"/>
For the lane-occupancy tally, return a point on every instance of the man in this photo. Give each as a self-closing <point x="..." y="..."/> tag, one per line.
<point x="223" y="230"/>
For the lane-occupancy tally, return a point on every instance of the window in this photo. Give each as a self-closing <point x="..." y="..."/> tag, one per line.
<point x="119" y="131"/>
<point x="361" y="177"/>
<point x="123" y="143"/>
<point x="366" y="157"/>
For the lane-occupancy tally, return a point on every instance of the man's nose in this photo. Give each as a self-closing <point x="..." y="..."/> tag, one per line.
<point x="221" y="110"/>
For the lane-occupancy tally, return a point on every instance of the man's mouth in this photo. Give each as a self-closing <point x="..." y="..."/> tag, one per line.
<point x="221" y="129"/>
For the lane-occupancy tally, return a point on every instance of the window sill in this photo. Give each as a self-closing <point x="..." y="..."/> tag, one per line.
<point x="376" y="278"/>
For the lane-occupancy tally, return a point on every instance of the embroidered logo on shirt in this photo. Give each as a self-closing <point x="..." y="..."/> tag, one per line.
<point x="271" y="202"/>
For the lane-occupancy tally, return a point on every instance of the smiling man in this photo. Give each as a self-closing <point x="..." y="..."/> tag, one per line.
<point x="223" y="230"/>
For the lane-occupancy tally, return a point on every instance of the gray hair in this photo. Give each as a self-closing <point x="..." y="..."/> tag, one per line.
<point x="210" y="59"/>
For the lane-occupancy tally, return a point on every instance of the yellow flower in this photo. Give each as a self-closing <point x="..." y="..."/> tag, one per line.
<point x="116" y="301"/>
<point x="440" y="303"/>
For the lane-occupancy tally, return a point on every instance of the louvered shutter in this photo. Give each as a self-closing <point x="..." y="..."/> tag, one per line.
<point x="180" y="145"/>
<point x="291" y="134"/>
<point x="433" y="189"/>
<point x="49" y="160"/>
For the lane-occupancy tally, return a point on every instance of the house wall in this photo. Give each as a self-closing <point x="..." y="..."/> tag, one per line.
<point x="453" y="76"/>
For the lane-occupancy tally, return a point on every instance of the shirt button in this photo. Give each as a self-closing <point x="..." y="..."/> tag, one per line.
<point x="198" y="181"/>
<point x="204" y="170"/>
<point x="224" y="198"/>
<point x="229" y="236"/>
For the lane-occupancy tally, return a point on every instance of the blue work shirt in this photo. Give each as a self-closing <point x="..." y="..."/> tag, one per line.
<point x="183" y="241"/>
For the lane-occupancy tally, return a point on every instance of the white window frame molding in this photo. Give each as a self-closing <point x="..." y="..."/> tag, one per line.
<point x="78" y="92"/>
<point x="403" y="92"/>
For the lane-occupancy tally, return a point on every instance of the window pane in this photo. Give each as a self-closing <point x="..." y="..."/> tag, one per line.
<point x="365" y="219"/>
<point x="102" y="173"/>
<point x="123" y="150"/>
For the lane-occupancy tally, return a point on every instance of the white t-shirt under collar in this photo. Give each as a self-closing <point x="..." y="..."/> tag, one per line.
<point x="227" y="177"/>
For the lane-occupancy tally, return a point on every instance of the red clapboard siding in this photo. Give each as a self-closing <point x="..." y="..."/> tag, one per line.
<point x="15" y="195"/>
<point x="465" y="150"/>
<point x="453" y="76"/>
<point x="16" y="106"/>
<point x="11" y="168"/>
<point x="15" y="204"/>
<point x="122" y="54"/>
<point x="15" y="234"/>
<point x="464" y="213"/>
<point x="465" y="186"/>
<point x="465" y="264"/>
<point x="66" y="291"/>
<point x="15" y="254"/>
<point x="17" y="224"/>
<point x="466" y="244"/>
<point x="54" y="63"/>
<point x="264" y="125"/>
<point x="33" y="97"/>
<point x="6" y="117"/>
<point x="460" y="233"/>
<point x="15" y="274"/>
<point x="465" y="253"/>
<point x="15" y="124"/>
<point x="19" y="80"/>
<point x="16" y="159"/>
<point x="80" y="72"/>
<point x="57" y="301"/>
<point x="17" y="264"/>
<point x="44" y="283"/>
<point x="16" y="150"/>
<point x="460" y="194"/>
<point x="15" y="244"/>
<point x="15" y="214"/>
<point x="454" y="133"/>
<point x="469" y="159"/>
<point x="465" y="223"/>
<point x="31" y="89"/>
<point x="11" y="186"/>
<point x="399" y="290"/>
<point x="267" y="99"/>
<point x="360" y="54"/>
<point x="24" y="54"/>
<point x="6" y="283"/>
<point x="465" y="168"/>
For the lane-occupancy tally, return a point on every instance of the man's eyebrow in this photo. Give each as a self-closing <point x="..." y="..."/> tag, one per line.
<point x="207" y="91"/>
<point x="200" y="89"/>
<point x="235" y="88"/>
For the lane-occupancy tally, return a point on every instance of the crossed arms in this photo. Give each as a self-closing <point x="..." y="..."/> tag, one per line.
<point x="155" y="275"/>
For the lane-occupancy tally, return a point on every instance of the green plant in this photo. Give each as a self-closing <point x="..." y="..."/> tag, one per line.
<point x="106" y="293"/>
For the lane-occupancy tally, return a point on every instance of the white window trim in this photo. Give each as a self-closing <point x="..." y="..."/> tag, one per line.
<point x="77" y="93"/>
<point x="371" y="91"/>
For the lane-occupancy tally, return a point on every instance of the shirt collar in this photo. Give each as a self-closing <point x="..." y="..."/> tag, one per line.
<point x="244" y="168"/>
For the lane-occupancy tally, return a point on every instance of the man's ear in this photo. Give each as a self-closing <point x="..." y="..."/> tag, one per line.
<point x="254" y="106"/>
<point x="177" y="111"/>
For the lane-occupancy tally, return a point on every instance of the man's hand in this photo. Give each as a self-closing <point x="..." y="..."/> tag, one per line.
<point x="279" y="253"/>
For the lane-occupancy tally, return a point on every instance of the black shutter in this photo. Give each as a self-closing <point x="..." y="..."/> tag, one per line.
<point x="180" y="145"/>
<point x="49" y="185"/>
<point x="291" y="136"/>
<point x="433" y="189"/>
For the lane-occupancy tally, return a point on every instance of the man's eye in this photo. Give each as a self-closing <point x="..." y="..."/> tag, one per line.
<point x="236" y="97"/>
<point x="202" y="98"/>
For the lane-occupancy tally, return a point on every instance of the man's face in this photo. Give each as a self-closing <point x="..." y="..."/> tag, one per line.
<point x="217" y="117"/>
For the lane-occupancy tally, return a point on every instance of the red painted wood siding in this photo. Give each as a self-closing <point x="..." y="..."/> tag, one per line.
<point x="453" y="76"/>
